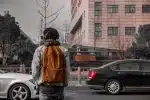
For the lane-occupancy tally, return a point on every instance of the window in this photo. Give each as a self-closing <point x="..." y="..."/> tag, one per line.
<point x="130" y="8"/>
<point x="145" y="67"/>
<point x="146" y="8"/>
<point x="130" y="30"/>
<point x="98" y="29"/>
<point x="129" y="66"/>
<point x="112" y="8"/>
<point x="98" y="8"/>
<point x="115" y="67"/>
<point x="113" y="31"/>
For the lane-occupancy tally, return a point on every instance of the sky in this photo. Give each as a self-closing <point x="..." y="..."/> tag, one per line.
<point x="26" y="13"/>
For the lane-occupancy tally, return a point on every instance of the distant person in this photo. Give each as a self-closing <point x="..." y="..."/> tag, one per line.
<point x="49" y="68"/>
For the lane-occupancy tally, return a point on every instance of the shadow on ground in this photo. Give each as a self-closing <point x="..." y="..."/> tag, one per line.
<point x="104" y="94"/>
<point x="123" y="93"/>
<point x="66" y="98"/>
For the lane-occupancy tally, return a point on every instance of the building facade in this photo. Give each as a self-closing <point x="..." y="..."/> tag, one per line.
<point x="110" y="24"/>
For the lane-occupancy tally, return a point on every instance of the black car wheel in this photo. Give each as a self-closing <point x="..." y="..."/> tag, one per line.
<point x="112" y="87"/>
<point x="19" y="92"/>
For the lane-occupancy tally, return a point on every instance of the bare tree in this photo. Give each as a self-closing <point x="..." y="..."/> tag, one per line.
<point x="44" y="14"/>
<point x="121" y="44"/>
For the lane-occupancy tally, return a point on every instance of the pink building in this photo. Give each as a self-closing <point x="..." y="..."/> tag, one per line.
<point x="110" y="24"/>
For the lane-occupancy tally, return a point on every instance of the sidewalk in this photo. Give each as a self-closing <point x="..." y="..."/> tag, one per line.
<point x="76" y="83"/>
<point x="77" y="87"/>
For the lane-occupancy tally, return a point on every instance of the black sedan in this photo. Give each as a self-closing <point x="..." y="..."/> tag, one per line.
<point x="121" y="75"/>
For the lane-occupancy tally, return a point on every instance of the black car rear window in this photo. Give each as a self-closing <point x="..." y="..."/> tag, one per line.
<point x="127" y="66"/>
<point x="145" y="67"/>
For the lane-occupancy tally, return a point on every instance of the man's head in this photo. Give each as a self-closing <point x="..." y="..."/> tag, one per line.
<point x="50" y="33"/>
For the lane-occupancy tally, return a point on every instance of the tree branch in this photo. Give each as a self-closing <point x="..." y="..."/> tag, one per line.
<point x="55" y="12"/>
<point x="41" y="14"/>
<point x="47" y="3"/>
<point x="53" y="19"/>
<point x="38" y="3"/>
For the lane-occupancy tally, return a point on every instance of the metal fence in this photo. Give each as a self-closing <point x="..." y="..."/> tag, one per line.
<point x="77" y="74"/>
<point x="15" y="69"/>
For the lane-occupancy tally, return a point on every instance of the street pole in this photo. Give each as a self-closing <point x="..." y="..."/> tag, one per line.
<point x="45" y="9"/>
<point x="79" y="68"/>
<point x="94" y="53"/>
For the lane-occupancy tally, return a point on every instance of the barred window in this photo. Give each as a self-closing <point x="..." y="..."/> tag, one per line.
<point x="146" y="8"/>
<point x="130" y="8"/>
<point x="112" y="8"/>
<point x="130" y="30"/>
<point x="112" y="31"/>
<point x="98" y="9"/>
<point x="98" y="29"/>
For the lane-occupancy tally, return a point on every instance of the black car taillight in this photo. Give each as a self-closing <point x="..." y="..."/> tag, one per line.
<point x="92" y="74"/>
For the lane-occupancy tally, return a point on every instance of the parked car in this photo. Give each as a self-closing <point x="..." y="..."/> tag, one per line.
<point x="16" y="86"/>
<point x="121" y="75"/>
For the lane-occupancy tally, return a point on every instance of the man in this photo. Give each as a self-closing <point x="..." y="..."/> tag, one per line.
<point x="49" y="90"/>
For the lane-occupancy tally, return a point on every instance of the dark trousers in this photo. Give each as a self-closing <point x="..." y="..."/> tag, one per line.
<point x="47" y="92"/>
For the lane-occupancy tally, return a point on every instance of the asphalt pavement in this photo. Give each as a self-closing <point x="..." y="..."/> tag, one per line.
<point x="81" y="93"/>
<point x="87" y="94"/>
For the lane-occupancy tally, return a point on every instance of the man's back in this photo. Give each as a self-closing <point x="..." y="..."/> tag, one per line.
<point x="47" y="58"/>
<point x="53" y="65"/>
<point x="37" y="64"/>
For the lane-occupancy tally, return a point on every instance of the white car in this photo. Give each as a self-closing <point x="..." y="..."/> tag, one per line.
<point x="16" y="86"/>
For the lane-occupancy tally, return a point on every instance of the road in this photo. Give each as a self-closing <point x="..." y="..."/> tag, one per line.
<point x="86" y="94"/>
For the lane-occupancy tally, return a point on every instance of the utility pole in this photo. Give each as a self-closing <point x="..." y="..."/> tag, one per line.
<point x="41" y="31"/>
<point x="41" y="27"/>
<point x="66" y="27"/>
<point x="66" y="31"/>
<point x="45" y="9"/>
<point x="79" y="68"/>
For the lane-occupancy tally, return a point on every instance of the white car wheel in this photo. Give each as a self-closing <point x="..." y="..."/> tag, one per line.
<point x="19" y="92"/>
<point x="112" y="87"/>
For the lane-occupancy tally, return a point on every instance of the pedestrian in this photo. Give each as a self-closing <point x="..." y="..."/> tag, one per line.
<point x="49" y="68"/>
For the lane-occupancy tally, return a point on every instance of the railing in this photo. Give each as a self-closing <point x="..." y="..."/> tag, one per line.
<point x="75" y="73"/>
<point x="16" y="69"/>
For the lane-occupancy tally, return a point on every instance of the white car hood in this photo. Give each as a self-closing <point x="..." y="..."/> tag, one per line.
<point x="18" y="76"/>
